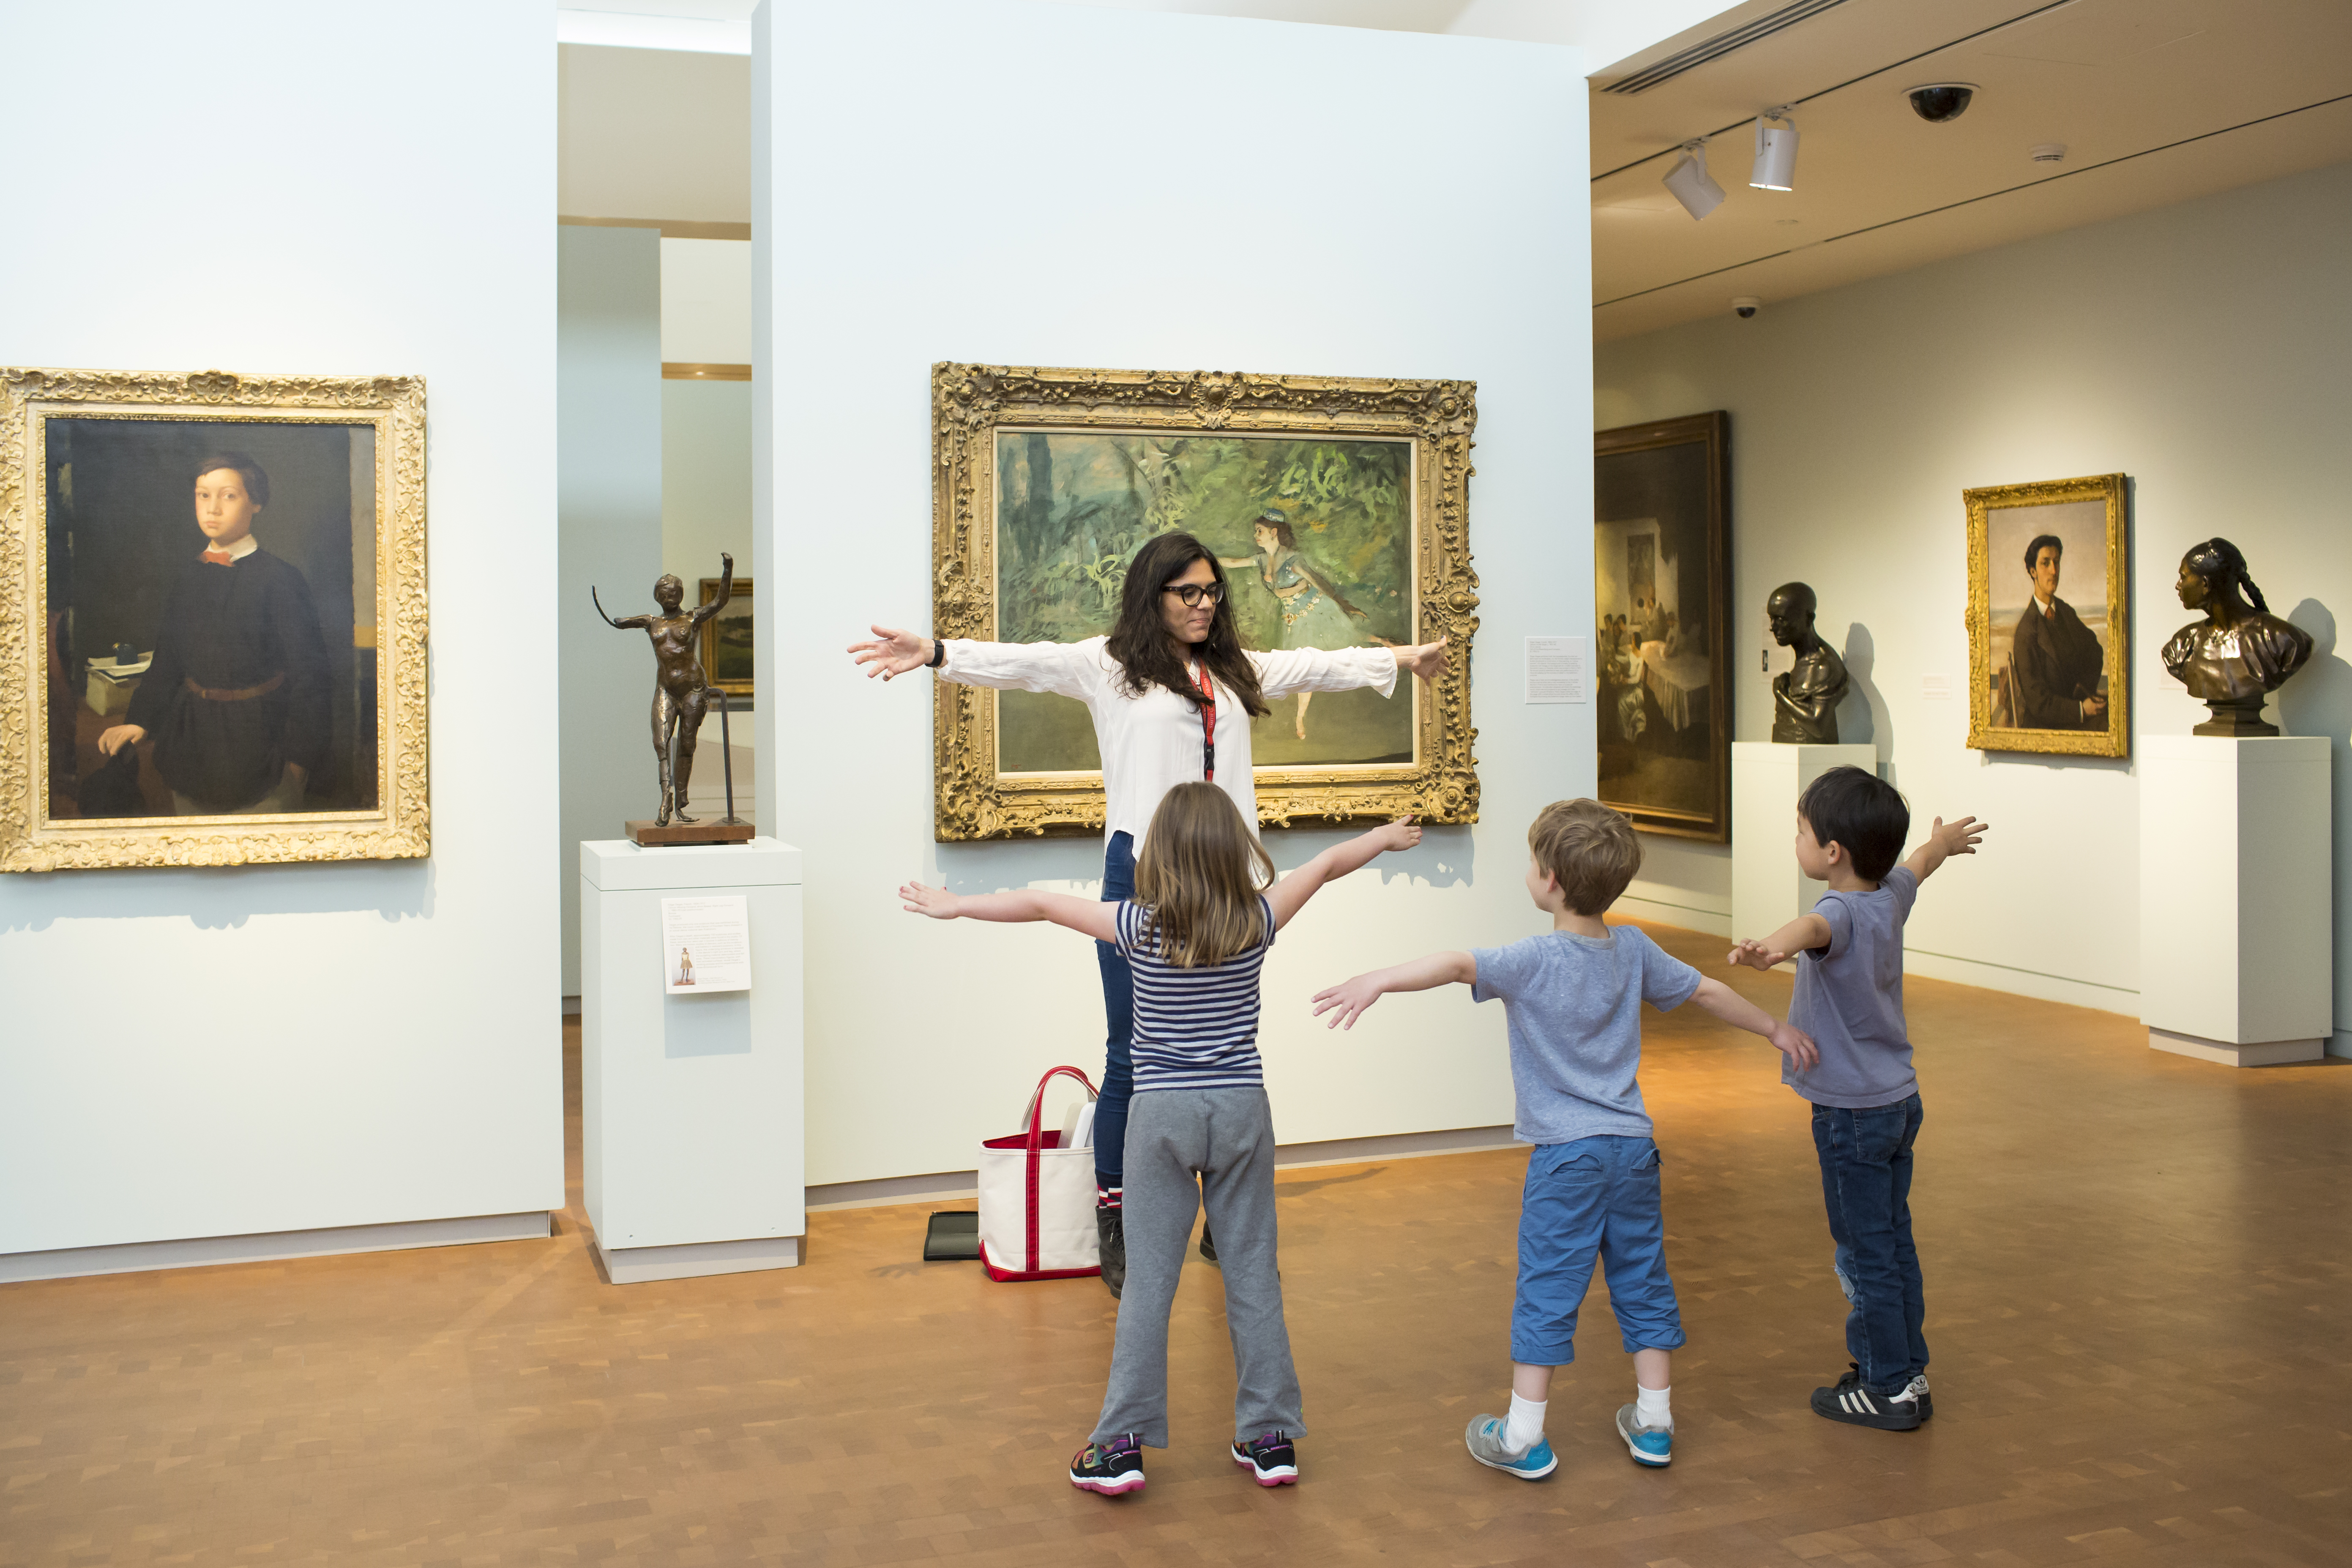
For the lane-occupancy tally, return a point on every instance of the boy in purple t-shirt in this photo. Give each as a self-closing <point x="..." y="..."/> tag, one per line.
<point x="1849" y="998"/>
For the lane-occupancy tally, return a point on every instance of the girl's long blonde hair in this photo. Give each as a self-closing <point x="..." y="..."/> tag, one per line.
<point x="1198" y="879"/>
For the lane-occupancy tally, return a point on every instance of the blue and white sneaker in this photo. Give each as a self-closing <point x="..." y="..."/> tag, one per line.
<point x="1650" y="1445"/>
<point x="1486" y="1438"/>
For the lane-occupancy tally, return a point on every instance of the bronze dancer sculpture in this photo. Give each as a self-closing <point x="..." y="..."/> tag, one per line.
<point x="681" y="697"/>
<point x="2239" y="653"/>
<point x="1805" y="700"/>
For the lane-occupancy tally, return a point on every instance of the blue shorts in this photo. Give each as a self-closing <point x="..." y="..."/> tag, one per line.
<point x="1594" y="1196"/>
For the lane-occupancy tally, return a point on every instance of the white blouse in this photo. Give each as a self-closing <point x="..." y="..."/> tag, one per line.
<point x="1152" y="742"/>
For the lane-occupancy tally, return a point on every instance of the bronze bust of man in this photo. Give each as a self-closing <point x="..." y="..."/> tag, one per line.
<point x="2239" y="653"/>
<point x="1805" y="700"/>
<point x="681" y="697"/>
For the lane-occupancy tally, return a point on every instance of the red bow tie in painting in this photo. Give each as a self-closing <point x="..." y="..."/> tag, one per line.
<point x="220" y="558"/>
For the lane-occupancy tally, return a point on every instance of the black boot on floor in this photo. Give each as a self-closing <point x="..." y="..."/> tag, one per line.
<point x="1110" y="1241"/>
<point x="1208" y="1243"/>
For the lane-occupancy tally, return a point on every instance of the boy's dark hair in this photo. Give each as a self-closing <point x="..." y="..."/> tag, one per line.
<point x="257" y="482"/>
<point x="2034" y="551"/>
<point x="1590" y="850"/>
<point x="1864" y="813"/>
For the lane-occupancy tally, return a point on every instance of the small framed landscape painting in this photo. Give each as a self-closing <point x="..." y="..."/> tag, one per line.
<point x="212" y="610"/>
<point x="2049" y="644"/>
<point x="727" y="639"/>
<point x="1337" y="507"/>
<point x="1662" y="623"/>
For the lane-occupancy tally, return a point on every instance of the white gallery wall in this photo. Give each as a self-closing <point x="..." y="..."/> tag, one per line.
<point x="270" y="1048"/>
<point x="1311" y="200"/>
<point x="2199" y="348"/>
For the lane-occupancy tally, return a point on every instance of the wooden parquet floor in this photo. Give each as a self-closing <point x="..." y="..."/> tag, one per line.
<point x="2138" y="1271"/>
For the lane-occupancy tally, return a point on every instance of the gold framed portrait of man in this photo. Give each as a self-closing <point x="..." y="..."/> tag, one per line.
<point x="2049" y="625"/>
<point x="215" y="627"/>
<point x="1340" y="508"/>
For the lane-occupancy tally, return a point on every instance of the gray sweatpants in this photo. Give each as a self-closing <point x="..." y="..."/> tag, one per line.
<point x="1226" y="1137"/>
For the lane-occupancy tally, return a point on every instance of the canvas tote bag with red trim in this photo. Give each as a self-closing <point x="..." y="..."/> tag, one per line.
<point x="1037" y="1198"/>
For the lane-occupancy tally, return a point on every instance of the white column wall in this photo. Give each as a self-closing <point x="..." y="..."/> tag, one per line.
<point x="609" y="502"/>
<point x="1306" y="199"/>
<point x="2199" y="348"/>
<point x="268" y="185"/>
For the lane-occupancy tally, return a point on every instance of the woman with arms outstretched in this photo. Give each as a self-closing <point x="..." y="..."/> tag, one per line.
<point x="1171" y="692"/>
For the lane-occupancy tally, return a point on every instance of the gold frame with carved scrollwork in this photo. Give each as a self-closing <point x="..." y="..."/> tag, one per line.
<point x="398" y="828"/>
<point x="2116" y="740"/>
<point x="970" y="402"/>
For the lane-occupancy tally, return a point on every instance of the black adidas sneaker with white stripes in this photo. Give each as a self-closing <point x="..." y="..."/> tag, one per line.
<point x="1850" y="1402"/>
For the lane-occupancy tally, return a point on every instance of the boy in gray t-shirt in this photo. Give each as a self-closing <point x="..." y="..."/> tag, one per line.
<point x="1849" y="997"/>
<point x="1572" y="996"/>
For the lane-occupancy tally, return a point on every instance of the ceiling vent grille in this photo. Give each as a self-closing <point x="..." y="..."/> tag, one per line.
<point x="1722" y="44"/>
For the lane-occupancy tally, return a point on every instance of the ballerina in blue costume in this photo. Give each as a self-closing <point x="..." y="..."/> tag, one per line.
<point x="1313" y="612"/>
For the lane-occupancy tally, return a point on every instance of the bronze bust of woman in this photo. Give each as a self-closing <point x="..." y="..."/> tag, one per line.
<point x="2239" y="653"/>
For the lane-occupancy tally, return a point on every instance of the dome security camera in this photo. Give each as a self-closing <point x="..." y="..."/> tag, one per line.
<point x="1938" y="102"/>
<point x="1746" y="305"/>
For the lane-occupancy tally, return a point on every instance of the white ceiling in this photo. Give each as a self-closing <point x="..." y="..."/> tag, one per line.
<point x="2155" y="101"/>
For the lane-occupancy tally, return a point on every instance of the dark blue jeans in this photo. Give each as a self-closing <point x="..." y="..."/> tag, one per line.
<point x="1866" y="1184"/>
<point x="1118" y="1009"/>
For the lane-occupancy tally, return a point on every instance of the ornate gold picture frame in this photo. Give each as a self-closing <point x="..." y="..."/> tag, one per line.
<point x="2049" y="617"/>
<point x="212" y="619"/>
<point x="1371" y="479"/>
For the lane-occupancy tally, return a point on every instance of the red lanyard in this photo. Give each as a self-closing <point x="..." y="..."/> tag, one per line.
<point x="1208" y="722"/>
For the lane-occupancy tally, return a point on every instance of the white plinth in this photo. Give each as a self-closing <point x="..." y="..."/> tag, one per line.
<point x="692" y="1151"/>
<point x="2237" y="939"/>
<point x="1768" y="891"/>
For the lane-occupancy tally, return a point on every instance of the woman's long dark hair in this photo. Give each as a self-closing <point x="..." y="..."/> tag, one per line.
<point x="2220" y="563"/>
<point x="1146" y="654"/>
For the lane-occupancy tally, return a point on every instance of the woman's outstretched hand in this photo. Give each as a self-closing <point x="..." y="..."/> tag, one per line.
<point x="1402" y="834"/>
<point x="892" y="652"/>
<point x="936" y="902"/>
<point x="1427" y="661"/>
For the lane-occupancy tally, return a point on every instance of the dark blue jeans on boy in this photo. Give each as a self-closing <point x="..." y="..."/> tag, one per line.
<point x="1118" y="1085"/>
<point x="1594" y="1196"/>
<point x="1865" y="1158"/>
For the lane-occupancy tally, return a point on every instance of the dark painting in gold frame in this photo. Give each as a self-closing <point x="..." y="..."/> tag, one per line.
<point x="1662" y="624"/>
<point x="727" y="639"/>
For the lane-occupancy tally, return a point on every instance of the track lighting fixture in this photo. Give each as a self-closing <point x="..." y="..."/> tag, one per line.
<point x="1689" y="184"/>
<point x="1776" y="151"/>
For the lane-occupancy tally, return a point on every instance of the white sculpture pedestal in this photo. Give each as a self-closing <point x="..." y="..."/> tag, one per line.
<point x="2237" y="940"/>
<point x="692" y="1147"/>
<point x="1768" y="891"/>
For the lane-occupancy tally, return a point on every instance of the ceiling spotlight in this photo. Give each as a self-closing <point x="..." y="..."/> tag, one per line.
<point x="1938" y="101"/>
<point x="2050" y="153"/>
<point x="1776" y="153"/>
<point x="1688" y="180"/>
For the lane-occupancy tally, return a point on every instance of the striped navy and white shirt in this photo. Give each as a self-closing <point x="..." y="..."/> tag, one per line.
<point x="1194" y="1029"/>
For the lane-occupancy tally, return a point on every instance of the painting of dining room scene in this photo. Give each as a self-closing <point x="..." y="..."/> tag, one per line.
<point x="1659" y="571"/>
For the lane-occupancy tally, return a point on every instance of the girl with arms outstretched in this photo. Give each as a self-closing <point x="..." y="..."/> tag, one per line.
<point x="1195" y="933"/>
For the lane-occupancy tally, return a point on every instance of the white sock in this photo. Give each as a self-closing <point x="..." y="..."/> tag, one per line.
<point x="1526" y="1427"/>
<point x="1651" y="1408"/>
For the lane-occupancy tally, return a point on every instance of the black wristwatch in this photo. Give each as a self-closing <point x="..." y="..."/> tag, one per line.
<point x="938" y="653"/>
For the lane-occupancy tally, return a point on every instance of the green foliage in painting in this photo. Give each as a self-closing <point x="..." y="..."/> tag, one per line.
<point x="1073" y="509"/>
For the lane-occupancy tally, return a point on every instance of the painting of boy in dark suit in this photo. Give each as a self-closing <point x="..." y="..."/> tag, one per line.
<point x="218" y="643"/>
<point x="2057" y="660"/>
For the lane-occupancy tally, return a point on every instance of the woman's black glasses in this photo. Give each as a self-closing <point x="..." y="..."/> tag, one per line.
<point x="1194" y="592"/>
